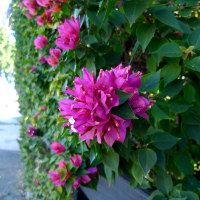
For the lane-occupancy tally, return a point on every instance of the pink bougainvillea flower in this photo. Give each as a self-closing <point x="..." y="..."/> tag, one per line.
<point x="40" y="20"/>
<point x="76" y="160"/>
<point x="56" y="175"/>
<point x="44" y="3"/>
<point x="89" y="113"/>
<point x="77" y="183"/>
<point x="28" y="15"/>
<point x="38" y="183"/>
<point x="69" y="34"/>
<point x="85" y="178"/>
<point x="92" y="171"/>
<point x="43" y="107"/>
<point x="36" y="115"/>
<point x="52" y="61"/>
<point x="40" y="42"/>
<point x="31" y="6"/>
<point x="33" y="68"/>
<point x="62" y="165"/>
<point x="32" y="132"/>
<point x="82" y="179"/>
<point x="55" y="8"/>
<point x="43" y="59"/>
<point x="45" y="18"/>
<point x="47" y="15"/>
<point x="20" y="4"/>
<point x="55" y="53"/>
<point x="57" y="147"/>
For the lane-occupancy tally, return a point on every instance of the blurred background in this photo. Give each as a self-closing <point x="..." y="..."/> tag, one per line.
<point x="9" y="129"/>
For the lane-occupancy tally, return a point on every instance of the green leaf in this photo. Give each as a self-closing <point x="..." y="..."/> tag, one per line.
<point x="189" y="93"/>
<point x="193" y="64"/>
<point x="123" y="96"/>
<point x="160" y="110"/>
<point x="194" y="39"/>
<point x="65" y="9"/>
<point x="117" y="18"/>
<point x="183" y="163"/>
<point x="111" y="159"/>
<point x="108" y="172"/>
<point x="147" y="159"/>
<point x="80" y="52"/>
<point x="172" y="88"/>
<point x="179" y="105"/>
<point x="137" y="170"/>
<point x="194" y="132"/>
<point x="156" y="195"/>
<point x="101" y="6"/>
<point x="151" y="63"/>
<point x="110" y="5"/>
<point x="163" y="140"/>
<point x="190" y="195"/>
<point x="169" y="49"/>
<point x="165" y="16"/>
<point x="149" y="81"/>
<point x="124" y="111"/>
<point x="133" y="9"/>
<point x="170" y="72"/>
<point x="145" y="33"/>
<point x="135" y="48"/>
<point x="68" y="187"/>
<point x="92" y="15"/>
<point x="164" y="182"/>
<point x="89" y="39"/>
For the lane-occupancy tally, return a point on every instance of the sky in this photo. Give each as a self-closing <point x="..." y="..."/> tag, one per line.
<point x="8" y="97"/>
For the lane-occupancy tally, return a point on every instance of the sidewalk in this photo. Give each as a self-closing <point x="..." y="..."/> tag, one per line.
<point x="10" y="164"/>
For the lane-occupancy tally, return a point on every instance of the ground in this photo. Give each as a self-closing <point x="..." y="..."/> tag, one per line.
<point x="11" y="185"/>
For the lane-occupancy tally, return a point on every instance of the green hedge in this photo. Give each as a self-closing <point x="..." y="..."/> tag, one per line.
<point x="159" y="38"/>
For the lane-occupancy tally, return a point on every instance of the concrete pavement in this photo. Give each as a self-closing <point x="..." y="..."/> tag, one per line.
<point x="11" y="185"/>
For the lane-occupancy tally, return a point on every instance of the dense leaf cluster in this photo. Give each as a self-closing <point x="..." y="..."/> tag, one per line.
<point x="161" y="38"/>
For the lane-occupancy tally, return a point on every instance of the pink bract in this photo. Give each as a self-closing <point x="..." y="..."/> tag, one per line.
<point x="33" y="68"/>
<point x="52" y="61"/>
<point x="40" y="42"/>
<point x="55" y="8"/>
<point x="31" y="6"/>
<point x="56" y="175"/>
<point x="69" y="34"/>
<point x="44" y="3"/>
<point x="55" y="53"/>
<point x="89" y="112"/>
<point x="32" y="131"/>
<point x="57" y="147"/>
<point x="43" y="59"/>
<point x="76" y="160"/>
<point x="40" y="21"/>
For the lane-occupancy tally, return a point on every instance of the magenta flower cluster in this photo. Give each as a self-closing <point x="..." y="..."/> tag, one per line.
<point x="56" y="176"/>
<point x="69" y="34"/>
<point x="32" y="131"/>
<point x="85" y="178"/>
<point x="89" y="112"/>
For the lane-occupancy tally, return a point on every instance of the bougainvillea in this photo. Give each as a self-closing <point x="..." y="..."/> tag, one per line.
<point x="32" y="131"/>
<point x="61" y="176"/>
<point x="69" y="34"/>
<point x="57" y="147"/>
<point x="90" y="110"/>
<point x="40" y="42"/>
<point x="105" y="127"/>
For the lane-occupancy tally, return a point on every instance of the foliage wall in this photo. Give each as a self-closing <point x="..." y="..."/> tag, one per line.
<point x="159" y="38"/>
